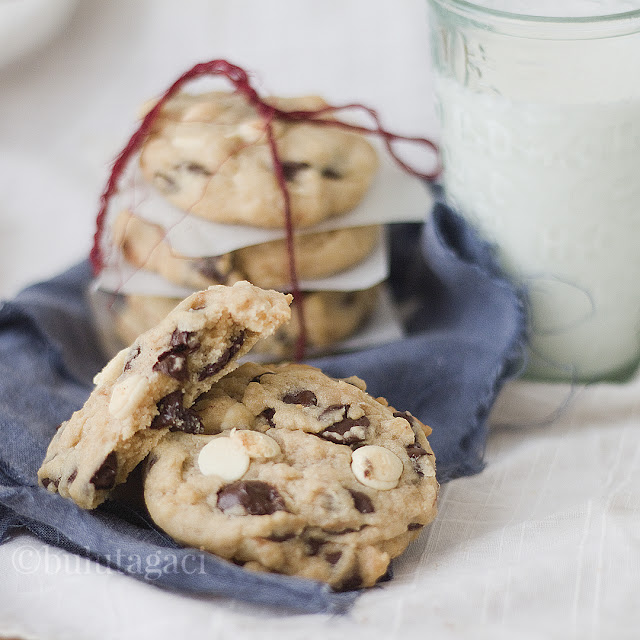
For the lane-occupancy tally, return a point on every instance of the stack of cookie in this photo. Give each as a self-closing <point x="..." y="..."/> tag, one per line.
<point x="274" y="467"/>
<point x="205" y="208"/>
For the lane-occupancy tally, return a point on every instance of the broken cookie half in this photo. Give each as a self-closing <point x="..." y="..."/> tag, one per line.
<point x="149" y="388"/>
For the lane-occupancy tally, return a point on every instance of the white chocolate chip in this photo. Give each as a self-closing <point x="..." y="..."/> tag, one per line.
<point x="376" y="467"/>
<point x="256" y="444"/>
<point x="127" y="395"/>
<point x="112" y="369"/>
<point x="224" y="457"/>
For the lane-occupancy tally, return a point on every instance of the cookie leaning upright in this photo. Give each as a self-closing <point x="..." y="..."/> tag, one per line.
<point x="149" y="388"/>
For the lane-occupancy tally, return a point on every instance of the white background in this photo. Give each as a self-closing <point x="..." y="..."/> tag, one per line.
<point x="69" y="107"/>
<point x="545" y="543"/>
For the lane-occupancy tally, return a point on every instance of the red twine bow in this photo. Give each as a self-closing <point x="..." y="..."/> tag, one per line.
<point x="240" y="79"/>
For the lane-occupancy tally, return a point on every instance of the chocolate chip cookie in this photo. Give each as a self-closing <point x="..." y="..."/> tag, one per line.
<point x="144" y="245"/>
<point x="296" y="473"/>
<point x="208" y="154"/>
<point x="331" y="316"/>
<point x="149" y="387"/>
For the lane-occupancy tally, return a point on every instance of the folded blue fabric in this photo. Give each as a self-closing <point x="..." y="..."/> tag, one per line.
<point x="464" y="339"/>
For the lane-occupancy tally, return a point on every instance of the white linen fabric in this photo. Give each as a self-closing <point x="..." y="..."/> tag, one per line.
<point x="544" y="543"/>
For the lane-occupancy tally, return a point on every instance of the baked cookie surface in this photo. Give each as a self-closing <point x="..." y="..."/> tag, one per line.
<point x="330" y="317"/>
<point x="144" y="245"/>
<point x="148" y="388"/>
<point x="208" y="154"/>
<point x="296" y="473"/>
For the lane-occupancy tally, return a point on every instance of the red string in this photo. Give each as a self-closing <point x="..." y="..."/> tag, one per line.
<point x="379" y="130"/>
<point x="216" y="67"/>
<point x="239" y="78"/>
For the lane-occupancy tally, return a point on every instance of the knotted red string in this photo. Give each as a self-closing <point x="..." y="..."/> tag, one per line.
<point x="240" y="79"/>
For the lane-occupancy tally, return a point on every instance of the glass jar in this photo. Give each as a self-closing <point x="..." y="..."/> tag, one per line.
<point x="540" y="139"/>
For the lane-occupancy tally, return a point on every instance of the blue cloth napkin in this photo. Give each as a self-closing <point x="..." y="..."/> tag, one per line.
<point x="465" y="338"/>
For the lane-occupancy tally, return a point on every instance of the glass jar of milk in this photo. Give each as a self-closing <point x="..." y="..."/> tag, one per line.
<point x="541" y="150"/>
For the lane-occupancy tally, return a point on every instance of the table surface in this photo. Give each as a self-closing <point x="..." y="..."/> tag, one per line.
<point x="544" y="543"/>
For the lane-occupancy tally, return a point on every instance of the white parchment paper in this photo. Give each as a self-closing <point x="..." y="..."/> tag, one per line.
<point x="394" y="196"/>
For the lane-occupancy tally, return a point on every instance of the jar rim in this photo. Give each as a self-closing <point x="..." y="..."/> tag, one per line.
<point x="545" y="27"/>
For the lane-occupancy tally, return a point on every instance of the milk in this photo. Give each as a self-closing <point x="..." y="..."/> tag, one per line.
<point x="549" y="171"/>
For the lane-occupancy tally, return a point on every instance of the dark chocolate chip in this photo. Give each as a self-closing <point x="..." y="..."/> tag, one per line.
<point x="406" y="415"/>
<point x="362" y="502"/>
<point x="347" y="430"/>
<point x="306" y="398"/>
<point x="173" y="415"/>
<point x="314" y="545"/>
<point x="194" y="167"/>
<point x="47" y="481"/>
<point x="268" y="414"/>
<point x="72" y="477"/>
<point x="255" y="497"/>
<point x="331" y="174"/>
<point x="105" y="476"/>
<point x="416" y="467"/>
<point x="343" y="532"/>
<point x="182" y="341"/>
<point x="335" y="407"/>
<point x="168" y="408"/>
<point x="165" y="183"/>
<point x="281" y="537"/>
<point x="174" y="361"/>
<point x="413" y="526"/>
<point x="291" y="169"/>
<point x="259" y="377"/>
<point x="133" y="354"/>
<point x="215" y="367"/>
<point x="187" y="421"/>
<point x="173" y="364"/>
<point x="332" y="557"/>
<point x="415" y="451"/>
<point x="210" y="268"/>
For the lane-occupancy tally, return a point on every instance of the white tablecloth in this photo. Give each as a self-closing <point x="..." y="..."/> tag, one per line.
<point x="545" y="543"/>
